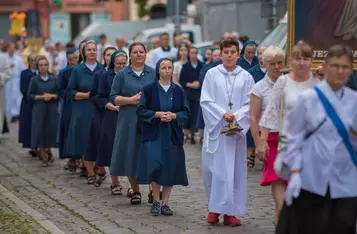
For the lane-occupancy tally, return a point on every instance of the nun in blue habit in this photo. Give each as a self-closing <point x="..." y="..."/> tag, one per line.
<point x="26" y="105"/>
<point x="163" y="109"/>
<point x="91" y="154"/>
<point x="65" y="102"/>
<point x="79" y="86"/>
<point x="247" y="58"/>
<point x="119" y="60"/>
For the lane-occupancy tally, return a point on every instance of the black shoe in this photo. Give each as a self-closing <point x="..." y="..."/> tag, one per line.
<point x="50" y="157"/>
<point x="83" y="172"/>
<point x="150" y="198"/>
<point x="193" y="141"/>
<point x="33" y="152"/>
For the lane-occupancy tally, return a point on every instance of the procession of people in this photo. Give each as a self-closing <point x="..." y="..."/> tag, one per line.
<point x="113" y="110"/>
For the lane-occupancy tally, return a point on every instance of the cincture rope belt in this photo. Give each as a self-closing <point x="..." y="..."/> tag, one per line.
<point x="214" y="138"/>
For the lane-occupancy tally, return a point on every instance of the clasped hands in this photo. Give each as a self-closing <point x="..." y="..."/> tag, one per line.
<point x="193" y="85"/>
<point x="47" y="97"/>
<point x="165" y="116"/>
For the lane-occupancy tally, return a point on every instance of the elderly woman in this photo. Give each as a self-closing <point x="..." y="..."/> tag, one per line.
<point x="79" y="86"/>
<point x="126" y="92"/>
<point x="163" y="109"/>
<point x="273" y="58"/>
<point x="321" y="138"/>
<point x="118" y="61"/>
<point x="42" y="91"/>
<point x="284" y="95"/>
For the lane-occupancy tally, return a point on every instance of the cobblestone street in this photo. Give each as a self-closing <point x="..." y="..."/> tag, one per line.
<point x="65" y="199"/>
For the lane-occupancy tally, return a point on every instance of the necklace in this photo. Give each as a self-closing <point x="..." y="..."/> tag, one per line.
<point x="230" y="104"/>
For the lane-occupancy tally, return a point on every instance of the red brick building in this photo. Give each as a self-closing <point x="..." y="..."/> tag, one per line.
<point x="80" y="13"/>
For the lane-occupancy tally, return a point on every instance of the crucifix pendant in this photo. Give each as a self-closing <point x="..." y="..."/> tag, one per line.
<point x="230" y="104"/>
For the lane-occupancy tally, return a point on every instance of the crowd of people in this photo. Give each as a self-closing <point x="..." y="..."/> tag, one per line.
<point x="132" y="111"/>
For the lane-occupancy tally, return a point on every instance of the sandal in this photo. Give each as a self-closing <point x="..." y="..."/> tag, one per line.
<point x="44" y="164"/>
<point x="136" y="199"/>
<point x="91" y="180"/>
<point x="99" y="181"/>
<point x="130" y="193"/>
<point x="251" y="161"/>
<point x="116" y="190"/>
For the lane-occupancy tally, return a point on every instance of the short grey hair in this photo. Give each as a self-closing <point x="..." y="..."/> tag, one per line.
<point x="271" y="52"/>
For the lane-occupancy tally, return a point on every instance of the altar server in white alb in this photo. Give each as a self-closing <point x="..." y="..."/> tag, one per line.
<point x="225" y="99"/>
<point x="321" y="140"/>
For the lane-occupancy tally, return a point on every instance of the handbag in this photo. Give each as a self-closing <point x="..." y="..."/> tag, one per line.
<point x="338" y="124"/>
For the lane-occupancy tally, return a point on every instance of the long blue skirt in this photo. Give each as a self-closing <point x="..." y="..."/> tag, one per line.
<point x="162" y="162"/>
<point x="25" y="123"/>
<point x="96" y="126"/>
<point x="64" y="128"/>
<point x="106" y="139"/>
<point x="79" y="129"/>
<point x="200" y="122"/>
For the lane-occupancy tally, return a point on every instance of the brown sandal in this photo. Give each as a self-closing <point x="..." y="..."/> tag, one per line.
<point x="136" y="199"/>
<point x="116" y="190"/>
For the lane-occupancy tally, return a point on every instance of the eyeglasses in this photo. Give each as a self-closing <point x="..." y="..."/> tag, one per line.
<point x="339" y="66"/>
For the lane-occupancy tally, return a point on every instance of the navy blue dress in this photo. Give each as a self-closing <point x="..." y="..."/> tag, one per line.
<point x="191" y="74"/>
<point x="126" y="147"/>
<point x="162" y="157"/>
<point x="257" y="73"/>
<point x="81" y="80"/>
<point x="97" y="114"/>
<point x="109" y="121"/>
<point x="44" y="114"/>
<point x="243" y="63"/>
<point x="65" y="116"/>
<point x="26" y="109"/>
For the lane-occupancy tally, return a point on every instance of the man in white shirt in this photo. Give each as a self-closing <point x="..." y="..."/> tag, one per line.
<point x="164" y="51"/>
<point x="101" y="46"/>
<point x="225" y="100"/>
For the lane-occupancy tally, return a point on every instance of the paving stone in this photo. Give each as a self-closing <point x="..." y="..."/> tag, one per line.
<point x="75" y="207"/>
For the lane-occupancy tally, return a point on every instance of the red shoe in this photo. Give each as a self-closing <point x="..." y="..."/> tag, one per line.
<point x="212" y="218"/>
<point x="231" y="221"/>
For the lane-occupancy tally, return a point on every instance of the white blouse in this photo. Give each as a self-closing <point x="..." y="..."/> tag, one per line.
<point x="285" y="92"/>
<point x="262" y="90"/>
<point x="177" y="69"/>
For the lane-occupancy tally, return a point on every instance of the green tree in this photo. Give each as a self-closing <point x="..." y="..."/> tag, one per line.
<point x="142" y="10"/>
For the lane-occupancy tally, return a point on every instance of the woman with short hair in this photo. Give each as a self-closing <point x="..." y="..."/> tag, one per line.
<point x="274" y="60"/>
